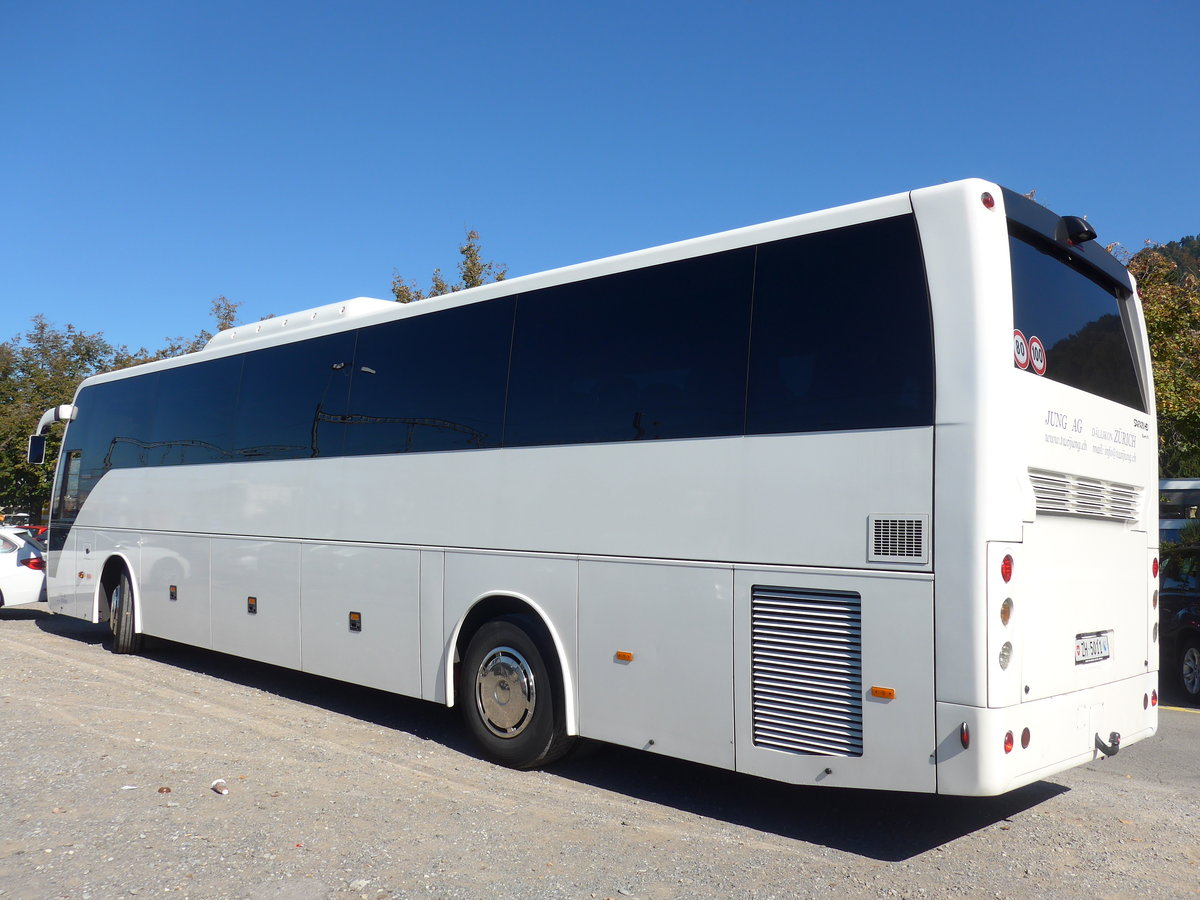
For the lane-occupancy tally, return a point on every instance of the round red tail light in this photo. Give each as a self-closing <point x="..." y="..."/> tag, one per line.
<point x="1006" y="567"/>
<point x="988" y="200"/>
<point x="964" y="735"/>
<point x="1154" y="567"/>
<point x="1154" y="698"/>
<point x="1008" y="742"/>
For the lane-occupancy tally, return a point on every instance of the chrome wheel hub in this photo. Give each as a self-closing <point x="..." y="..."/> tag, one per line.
<point x="505" y="693"/>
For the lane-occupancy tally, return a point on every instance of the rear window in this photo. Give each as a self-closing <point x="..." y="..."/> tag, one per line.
<point x="1071" y="322"/>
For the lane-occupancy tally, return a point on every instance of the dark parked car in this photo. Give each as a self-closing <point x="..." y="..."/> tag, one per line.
<point x="1179" y="618"/>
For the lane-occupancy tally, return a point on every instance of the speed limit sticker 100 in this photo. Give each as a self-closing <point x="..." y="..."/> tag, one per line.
<point x="1037" y="356"/>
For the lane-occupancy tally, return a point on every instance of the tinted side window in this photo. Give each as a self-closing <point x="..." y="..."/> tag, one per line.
<point x="842" y="336"/>
<point x="432" y="382"/>
<point x="293" y="399"/>
<point x="112" y="430"/>
<point x="193" y="413"/>
<point x="652" y="353"/>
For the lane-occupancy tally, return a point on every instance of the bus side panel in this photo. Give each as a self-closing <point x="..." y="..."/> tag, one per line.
<point x="72" y="590"/>
<point x="256" y="600"/>
<point x="381" y="646"/>
<point x="175" y="589"/>
<point x="797" y="686"/>
<point x="675" y="695"/>
<point x="550" y="584"/>
<point x="435" y="654"/>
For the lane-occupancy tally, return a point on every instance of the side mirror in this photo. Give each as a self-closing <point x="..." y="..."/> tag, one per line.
<point x="37" y="449"/>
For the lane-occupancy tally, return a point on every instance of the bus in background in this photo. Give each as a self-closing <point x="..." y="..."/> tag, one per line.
<point x="859" y="498"/>
<point x="1178" y="507"/>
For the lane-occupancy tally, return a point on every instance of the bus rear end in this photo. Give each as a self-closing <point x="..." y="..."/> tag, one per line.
<point x="1045" y="508"/>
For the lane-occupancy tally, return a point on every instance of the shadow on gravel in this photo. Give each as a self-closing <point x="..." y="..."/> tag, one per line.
<point x="22" y="613"/>
<point x="882" y="825"/>
<point x="416" y="717"/>
<point x="879" y="825"/>
<point x="69" y="627"/>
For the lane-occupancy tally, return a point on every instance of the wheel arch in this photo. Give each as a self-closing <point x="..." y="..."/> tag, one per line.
<point x="109" y="573"/>
<point x="496" y="604"/>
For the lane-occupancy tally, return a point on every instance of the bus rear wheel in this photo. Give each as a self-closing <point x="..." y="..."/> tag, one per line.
<point x="511" y="695"/>
<point x="120" y="615"/>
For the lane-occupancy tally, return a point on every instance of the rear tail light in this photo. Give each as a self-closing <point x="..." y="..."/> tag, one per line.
<point x="1025" y="736"/>
<point x="34" y="562"/>
<point x="1154" y="567"/>
<point x="1154" y="698"/>
<point x="1006" y="567"/>
<point x="1008" y="742"/>
<point x="964" y="735"/>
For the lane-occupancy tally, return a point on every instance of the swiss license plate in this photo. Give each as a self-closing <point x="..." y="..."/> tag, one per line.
<point x="1091" y="647"/>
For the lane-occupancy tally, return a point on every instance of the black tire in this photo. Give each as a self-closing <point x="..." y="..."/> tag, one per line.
<point x="510" y="692"/>
<point x="120" y="616"/>
<point x="1189" y="668"/>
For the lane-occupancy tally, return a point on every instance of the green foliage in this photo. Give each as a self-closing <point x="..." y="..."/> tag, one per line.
<point x="39" y="369"/>
<point x="473" y="271"/>
<point x="42" y="368"/>
<point x="1185" y="253"/>
<point x="1171" y="301"/>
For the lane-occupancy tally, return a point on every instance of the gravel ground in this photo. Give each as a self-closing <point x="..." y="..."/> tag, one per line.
<point x="336" y="791"/>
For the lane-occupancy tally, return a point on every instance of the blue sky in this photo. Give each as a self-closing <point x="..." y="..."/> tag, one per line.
<point x="156" y="155"/>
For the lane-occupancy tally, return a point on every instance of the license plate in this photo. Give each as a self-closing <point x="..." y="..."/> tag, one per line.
<point x="1091" y="647"/>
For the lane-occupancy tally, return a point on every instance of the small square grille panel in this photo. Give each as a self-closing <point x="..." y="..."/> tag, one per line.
<point x="898" y="538"/>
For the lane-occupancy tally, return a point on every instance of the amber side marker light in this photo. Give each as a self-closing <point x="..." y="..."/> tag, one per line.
<point x="624" y="656"/>
<point x="884" y="693"/>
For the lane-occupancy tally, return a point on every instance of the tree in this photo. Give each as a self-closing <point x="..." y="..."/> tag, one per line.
<point x="1171" y="301"/>
<point x="39" y="369"/>
<point x="472" y="269"/>
<point x="42" y="368"/>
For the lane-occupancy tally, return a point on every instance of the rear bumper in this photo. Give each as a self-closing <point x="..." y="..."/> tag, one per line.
<point x="1062" y="729"/>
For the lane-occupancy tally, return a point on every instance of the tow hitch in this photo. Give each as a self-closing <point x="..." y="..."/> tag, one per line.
<point x="1113" y="747"/>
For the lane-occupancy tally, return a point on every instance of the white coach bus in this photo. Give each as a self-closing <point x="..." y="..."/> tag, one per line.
<point x="861" y="498"/>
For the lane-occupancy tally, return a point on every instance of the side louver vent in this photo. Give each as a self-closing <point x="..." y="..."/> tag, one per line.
<point x="1071" y="495"/>
<point x="807" y="670"/>
<point x="898" y="538"/>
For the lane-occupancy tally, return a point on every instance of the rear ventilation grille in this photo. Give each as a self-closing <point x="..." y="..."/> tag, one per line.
<point x="896" y="538"/>
<point x="806" y="652"/>
<point x="1071" y="495"/>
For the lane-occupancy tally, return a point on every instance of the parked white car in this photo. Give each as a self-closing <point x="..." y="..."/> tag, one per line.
<point x="22" y="568"/>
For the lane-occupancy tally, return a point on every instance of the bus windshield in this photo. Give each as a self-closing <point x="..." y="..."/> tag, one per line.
<point x="1071" y="319"/>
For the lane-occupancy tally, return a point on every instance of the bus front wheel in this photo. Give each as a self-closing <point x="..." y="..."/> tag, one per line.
<point x="120" y="615"/>
<point x="511" y="695"/>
